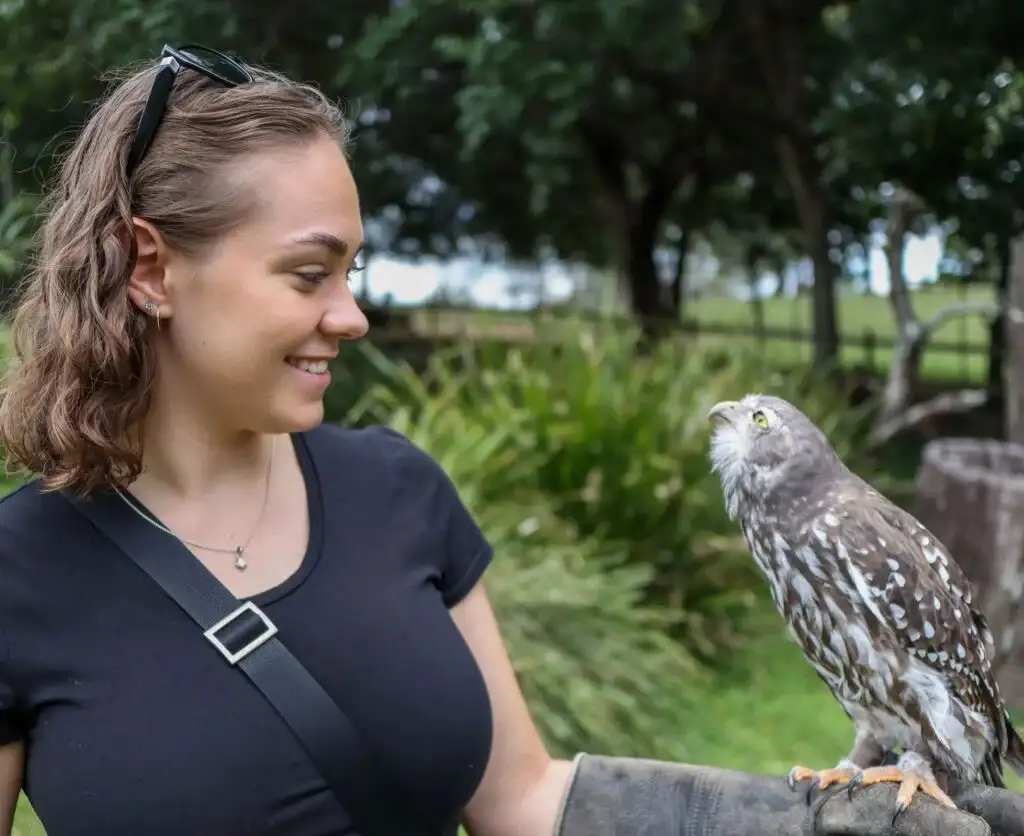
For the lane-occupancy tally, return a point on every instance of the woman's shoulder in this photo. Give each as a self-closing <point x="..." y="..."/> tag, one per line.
<point x="41" y="535"/>
<point x="372" y="451"/>
<point x="29" y="510"/>
<point x="382" y="468"/>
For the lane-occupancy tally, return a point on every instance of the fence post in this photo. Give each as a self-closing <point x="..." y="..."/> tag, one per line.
<point x="1013" y="367"/>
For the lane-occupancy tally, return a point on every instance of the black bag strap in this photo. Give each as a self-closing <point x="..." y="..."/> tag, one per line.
<point x="249" y="641"/>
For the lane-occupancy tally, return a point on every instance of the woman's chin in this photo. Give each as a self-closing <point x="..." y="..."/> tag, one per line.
<point x="295" y="417"/>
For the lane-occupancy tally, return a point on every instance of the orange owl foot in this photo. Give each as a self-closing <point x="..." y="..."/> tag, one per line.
<point x="910" y="784"/>
<point x="820" y="778"/>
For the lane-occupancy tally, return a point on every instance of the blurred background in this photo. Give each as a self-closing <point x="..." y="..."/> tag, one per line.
<point x="588" y="221"/>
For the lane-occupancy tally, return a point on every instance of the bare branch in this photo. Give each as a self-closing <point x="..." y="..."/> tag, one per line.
<point x="897" y="412"/>
<point x="988" y="309"/>
<point x="904" y="204"/>
<point x="944" y="404"/>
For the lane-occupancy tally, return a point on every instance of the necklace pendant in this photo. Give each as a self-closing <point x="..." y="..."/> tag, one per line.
<point x="240" y="562"/>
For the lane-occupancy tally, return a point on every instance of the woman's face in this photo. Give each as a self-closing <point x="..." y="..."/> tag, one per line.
<point x="246" y="333"/>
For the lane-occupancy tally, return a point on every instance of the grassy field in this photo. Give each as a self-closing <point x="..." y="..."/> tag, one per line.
<point x="859" y="317"/>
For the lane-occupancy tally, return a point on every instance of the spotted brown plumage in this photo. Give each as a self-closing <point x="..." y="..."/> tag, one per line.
<point x="880" y="609"/>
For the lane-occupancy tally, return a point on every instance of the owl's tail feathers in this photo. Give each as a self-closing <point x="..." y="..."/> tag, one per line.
<point x="991" y="771"/>
<point x="1014" y="748"/>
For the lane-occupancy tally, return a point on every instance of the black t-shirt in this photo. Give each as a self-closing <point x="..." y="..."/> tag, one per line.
<point x="136" y="726"/>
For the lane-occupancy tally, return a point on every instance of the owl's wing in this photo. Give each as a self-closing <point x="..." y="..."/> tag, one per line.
<point x="909" y="581"/>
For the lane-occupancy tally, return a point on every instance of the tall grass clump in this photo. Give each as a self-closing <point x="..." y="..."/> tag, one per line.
<point x="615" y="441"/>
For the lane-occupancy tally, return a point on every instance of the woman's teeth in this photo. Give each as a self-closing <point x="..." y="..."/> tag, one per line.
<point x="311" y="366"/>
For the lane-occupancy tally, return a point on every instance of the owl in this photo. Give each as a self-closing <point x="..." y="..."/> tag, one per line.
<point x="878" y="606"/>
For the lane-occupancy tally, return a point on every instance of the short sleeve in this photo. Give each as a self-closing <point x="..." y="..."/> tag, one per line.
<point x="466" y="550"/>
<point x="10" y="729"/>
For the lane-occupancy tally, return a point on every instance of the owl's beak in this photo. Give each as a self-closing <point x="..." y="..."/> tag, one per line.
<point x="722" y="413"/>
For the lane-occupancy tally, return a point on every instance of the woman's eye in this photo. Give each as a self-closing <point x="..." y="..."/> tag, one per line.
<point x="358" y="264"/>
<point x="317" y="277"/>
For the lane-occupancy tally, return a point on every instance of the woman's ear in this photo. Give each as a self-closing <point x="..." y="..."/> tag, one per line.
<point x="148" y="282"/>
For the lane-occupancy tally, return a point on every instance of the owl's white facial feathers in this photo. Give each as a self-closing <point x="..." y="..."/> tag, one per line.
<point x="733" y="448"/>
<point x="729" y="450"/>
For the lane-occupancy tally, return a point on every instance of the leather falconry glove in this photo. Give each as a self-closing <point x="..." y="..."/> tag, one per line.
<point x="616" y="796"/>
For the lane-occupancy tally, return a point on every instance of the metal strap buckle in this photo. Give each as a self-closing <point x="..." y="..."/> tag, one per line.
<point x="235" y="656"/>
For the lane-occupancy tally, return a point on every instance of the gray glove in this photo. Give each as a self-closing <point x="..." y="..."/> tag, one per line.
<point x="612" y="796"/>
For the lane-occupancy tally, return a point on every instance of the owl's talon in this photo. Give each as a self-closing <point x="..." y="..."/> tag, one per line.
<point x="854" y="782"/>
<point x="822" y="779"/>
<point x="900" y="807"/>
<point x="799" y="773"/>
<point x="910" y="784"/>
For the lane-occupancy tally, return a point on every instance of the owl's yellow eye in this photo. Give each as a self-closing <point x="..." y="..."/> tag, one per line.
<point x="760" y="419"/>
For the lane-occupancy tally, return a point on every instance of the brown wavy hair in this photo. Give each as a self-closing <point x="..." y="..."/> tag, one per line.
<point x="82" y="373"/>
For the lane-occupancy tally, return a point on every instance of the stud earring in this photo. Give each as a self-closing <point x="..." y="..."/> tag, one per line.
<point x="152" y="309"/>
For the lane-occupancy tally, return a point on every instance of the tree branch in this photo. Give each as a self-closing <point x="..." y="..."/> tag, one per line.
<point x="676" y="88"/>
<point x="937" y="320"/>
<point x="904" y="204"/>
<point x="944" y="404"/>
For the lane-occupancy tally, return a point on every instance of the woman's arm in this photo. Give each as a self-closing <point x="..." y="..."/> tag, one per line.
<point x="523" y="787"/>
<point x="12" y="760"/>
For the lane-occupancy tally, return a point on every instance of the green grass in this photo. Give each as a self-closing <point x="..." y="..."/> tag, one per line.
<point x="773" y="712"/>
<point x="25" y="821"/>
<point x="769" y="712"/>
<point x="858" y="317"/>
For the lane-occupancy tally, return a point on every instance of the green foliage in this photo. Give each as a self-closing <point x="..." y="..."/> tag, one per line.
<point x="617" y="445"/>
<point x="17" y="229"/>
<point x="596" y="132"/>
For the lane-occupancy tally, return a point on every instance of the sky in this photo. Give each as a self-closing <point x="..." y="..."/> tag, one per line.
<point x="493" y="286"/>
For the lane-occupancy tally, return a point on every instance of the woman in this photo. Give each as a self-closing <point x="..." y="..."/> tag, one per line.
<point x="192" y="286"/>
<point x="173" y="344"/>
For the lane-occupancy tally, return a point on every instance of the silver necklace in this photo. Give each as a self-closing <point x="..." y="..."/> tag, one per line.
<point x="238" y="551"/>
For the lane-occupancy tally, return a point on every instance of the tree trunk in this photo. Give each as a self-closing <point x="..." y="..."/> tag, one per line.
<point x="970" y="495"/>
<point x="1013" y="331"/>
<point x="677" y="287"/>
<point x="645" y="296"/>
<point x="997" y="328"/>
<point x="812" y="207"/>
<point x="778" y="33"/>
<point x="638" y="221"/>
<point x="752" y="259"/>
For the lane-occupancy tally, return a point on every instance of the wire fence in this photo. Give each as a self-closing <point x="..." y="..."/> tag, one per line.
<point x="963" y="357"/>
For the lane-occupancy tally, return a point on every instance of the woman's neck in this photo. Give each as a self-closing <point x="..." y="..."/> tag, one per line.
<point x="185" y="458"/>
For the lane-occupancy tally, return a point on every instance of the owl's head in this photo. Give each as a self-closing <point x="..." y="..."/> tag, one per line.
<point x="763" y="443"/>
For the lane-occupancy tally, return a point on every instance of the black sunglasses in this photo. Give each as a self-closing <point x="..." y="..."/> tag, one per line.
<point x="211" y="63"/>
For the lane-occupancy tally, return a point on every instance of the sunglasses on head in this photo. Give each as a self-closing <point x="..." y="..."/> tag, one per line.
<point x="211" y="63"/>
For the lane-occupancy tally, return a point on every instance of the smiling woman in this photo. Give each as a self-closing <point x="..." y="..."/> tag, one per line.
<point x="173" y="349"/>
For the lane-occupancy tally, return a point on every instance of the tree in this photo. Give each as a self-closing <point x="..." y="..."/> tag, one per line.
<point x="610" y="111"/>
<point x="930" y="131"/>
